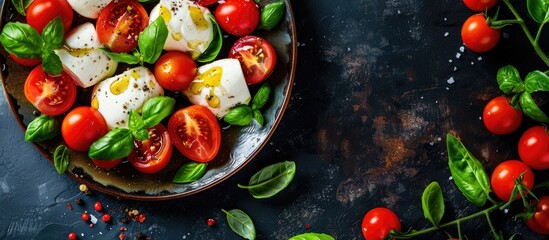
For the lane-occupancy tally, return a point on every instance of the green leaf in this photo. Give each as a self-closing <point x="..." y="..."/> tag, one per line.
<point x="21" y="6"/>
<point x="538" y="9"/>
<point x="509" y="80"/>
<point x="261" y="97"/>
<point x="53" y="34"/>
<point x="240" y="223"/>
<point x="536" y="81"/>
<point x="312" y="236"/>
<point x="21" y="40"/>
<point x="117" y="143"/>
<point x="271" y="180"/>
<point x="258" y="117"/>
<point x="51" y="63"/>
<point x="41" y="129"/>
<point x="531" y="109"/>
<point x="432" y="203"/>
<point x="271" y="15"/>
<point x="135" y="121"/>
<point x="61" y="158"/>
<point x="215" y="45"/>
<point x="151" y="41"/>
<point x="190" y="172"/>
<point x="240" y="116"/>
<point x="156" y="109"/>
<point x="121" y="57"/>
<point x="141" y="134"/>
<point x="467" y="172"/>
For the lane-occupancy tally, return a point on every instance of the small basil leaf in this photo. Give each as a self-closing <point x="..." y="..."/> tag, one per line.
<point x="156" y="109"/>
<point x="240" y="223"/>
<point x="121" y="57"/>
<point x="53" y="34"/>
<point x="258" y="117"/>
<point x="61" y="158"/>
<point x="467" y="172"/>
<point x="432" y="203"/>
<point x="141" y="134"/>
<point x="537" y="9"/>
<point x="261" y="97"/>
<point x="21" y="40"/>
<point x="271" y="15"/>
<point x="312" y="236"/>
<point x="536" y="81"/>
<point x="240" y="116"/>
<point x="271" y="180"/>
<point x="41" y="129"/>
<point x="151" y="41"/>
<point x="21" y="6"/>
<point x="531" y="109"/>
<point x="190" y="172"/>
<point x="215" y="45"/>
<point x="51" y="63"/>
<point x="257" y="1"/>
<point x="508" y="78"/>
<point x="135" y="121"/>
<point x="117" y="143"/>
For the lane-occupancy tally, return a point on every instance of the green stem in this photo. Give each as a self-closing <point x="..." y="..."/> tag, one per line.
<point x="501" y="23"/>
<point x="539" y="33"/>
<point x="459" y="231"/>
<point x="492" y="228"/>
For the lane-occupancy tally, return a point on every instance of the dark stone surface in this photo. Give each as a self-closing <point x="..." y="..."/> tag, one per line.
<point x="378" y="87"/>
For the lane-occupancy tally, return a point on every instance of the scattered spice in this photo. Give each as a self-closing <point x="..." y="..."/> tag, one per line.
<point x="140" y="236"/>
<point x="106" y="217"/>
<point x="122" y="236"/>
<point x="69" y="206"/>
<point x="83" y="188"/>
<point x="126" y="219"/>
<point x="141" y="218"/>
<point x="211" y="222"/>
<point x="78" y="201"/>
<point x="85" y="216"/>
<point x="122" y="229"/>
<point x="97" y="206"/>
<point x="91" y="225"/>
<point x="307" y="226"/>
<point x="72" y="236"/>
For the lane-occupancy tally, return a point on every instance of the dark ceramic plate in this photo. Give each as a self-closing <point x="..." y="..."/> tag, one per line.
<point x="238" y="147"/>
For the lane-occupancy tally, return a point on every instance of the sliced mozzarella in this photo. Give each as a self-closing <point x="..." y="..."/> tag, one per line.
<point x="88" y="8"/>
<point x="189" y="26"/>
<point x="220" y="86"/>
<point x="82" y="58"/>
<point x="116" y="96"/>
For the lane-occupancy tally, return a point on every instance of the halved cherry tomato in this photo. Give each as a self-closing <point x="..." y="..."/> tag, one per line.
<point x="29" y="62"/>
<point x="477" y="35"/>
<point x="377" y="223"/>
<point x="504" y="175"/>
<point x="50" y="95"/>
<point x="107" y="164"/>
<point x="533" y="148"/>
<point x="480" y="5"/>
<point x="119" y="24"/>
<point x="500" y="117"/>
<point x="257" y="57"/>
<point x="82" y="126"/>
<point x="539" y="223"/>
<point x="152" y="155"/>
<point x="195" y="132"/>
<point x="237" y="17"/>
<point x="175" y="71"/>
<point x="206" y="3"/>
<point x="41" y="12"/>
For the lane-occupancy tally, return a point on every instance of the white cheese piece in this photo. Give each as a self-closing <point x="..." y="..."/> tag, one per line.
<point x="88" y="8"/>
<point x="220" y="86"/>
<point x="116" y="96"/>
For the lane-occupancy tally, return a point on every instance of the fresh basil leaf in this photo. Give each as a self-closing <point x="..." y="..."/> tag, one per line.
<point x="261" y="97"/>
<point x="240" y="116"/>
<point x="121" y="57"/>
<point x="531" y="109"/>
<point x="271" y="180"/>
<point x="240" y="223"/>
<point x="467" y="172"/>
<point x="41" y="129"/>
<point x="61" y="158"/>
<point x="432" y="203"/>
<point x="538" y="10"/>
<point x="258" y="117"/>
<point x="215" y="45"/>
<point x="53" y="34"/>
<point x="141" y="134"/>
<point x="536" y="81"/>
<point x="257" y="1"/>
<point x="271" y="15"/>
<point x="156" y="109"/>
<point x="21" y="40"/>
<point x="312" y="236"/>
<point x="117" y="143"/>
<point x="135" y="121"/>
<point x="152" y="39"/>
<point x="21" y="6"/>
<point x="509" y="80"/>
<point x="51" y="63"/>
<point x="190" y="172"/>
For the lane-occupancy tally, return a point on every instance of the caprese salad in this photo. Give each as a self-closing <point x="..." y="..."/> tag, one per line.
<point x="134" y="57"/>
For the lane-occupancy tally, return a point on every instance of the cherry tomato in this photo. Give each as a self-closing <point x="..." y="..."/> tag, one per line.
<point x="237" y="17"/>
<point x="50" y="95"/>
<point x="257" y="57"/>
<point x="97" y="206"/>
<point x="152" y="155"/>
<point x="477" y="35"/>
<point x="119" y="24"/>
<point x="504" y="175"/>
<point x="41" y="12"/>
<point x="195" y="132"/>
<point x="29" y="62"/>
<point x="107" y="164"/>
<point x="533" y="148"/>
<point x="175" y="71"/>
<point x="480" y="5"/>
<point x="82" y="126"/>
<point x="539" y="223"/>
<point x="72" y="236"/>
<point x="377" y="223"/>
<point x="206" y="3"/>
<point x="85" y="216"/>
<point x="501" y="118"/>
<point x="106" y="217"/>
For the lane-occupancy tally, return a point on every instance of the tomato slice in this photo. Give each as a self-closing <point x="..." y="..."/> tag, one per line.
<point x="51" y="95"/>
<point x="195" y="132"/>
<point x="257" y="58"/>
<point x="152" y="155"/>
<point x="119" y="24"/>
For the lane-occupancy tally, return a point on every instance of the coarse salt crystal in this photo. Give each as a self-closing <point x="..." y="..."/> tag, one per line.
<point x="451" y="80"/>
<point x="458" y="55"/>
<point x="446" y="34"/>
<point x="462" y="49"/>
<point x="479" y="58"/>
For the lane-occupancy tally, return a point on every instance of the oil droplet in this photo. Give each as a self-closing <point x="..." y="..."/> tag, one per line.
<point x="177" y="36"/>
<point x="120" y="85"/>
<point x="209" y="79"/>
<point x="198" y="18"/>
<point x="165" y="13"/>
<point x="95" y="103"/>
<point x="78" y="52"/>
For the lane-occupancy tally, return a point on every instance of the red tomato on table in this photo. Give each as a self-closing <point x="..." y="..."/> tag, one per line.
<point x="480" y="5"/>
<point x="377" y="223"/>
<point x="257" y="58"/>
<point x="504" y="175"/>
<point x="238" y="17"/>
<point x="539" y="223"/>
<point x="41" y="12"/>
<point x="500" y="117"/>
<point x="477" y="35"/>
<point x="152" y="155"/>
<point x="82" y="126"/>
<point x="533" y="148"/>
<point x="51" y="95"/>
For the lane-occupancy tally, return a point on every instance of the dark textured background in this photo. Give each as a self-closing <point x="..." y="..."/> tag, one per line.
<point x="366" y="126"/>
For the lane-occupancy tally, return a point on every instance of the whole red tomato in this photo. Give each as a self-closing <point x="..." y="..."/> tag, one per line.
<point x="539" y="223"/>
<point x="29" y="62"/>
<point x="175" y="71"/>
<point x="480" y="5"/>
<point x="154" y="154"/>
<point x="41" y="12"/>
<point x="500" y="117"/>
<point x="82" y="126"/>
<point x="107" y="164"/>
<point x="477" y="35"/>
<point x="377" y="223"/>
<point x="119" y="24"/>
<point x="237" y="17"/>
<point x="533" y="148"/>
<point x="504" y="175"/>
